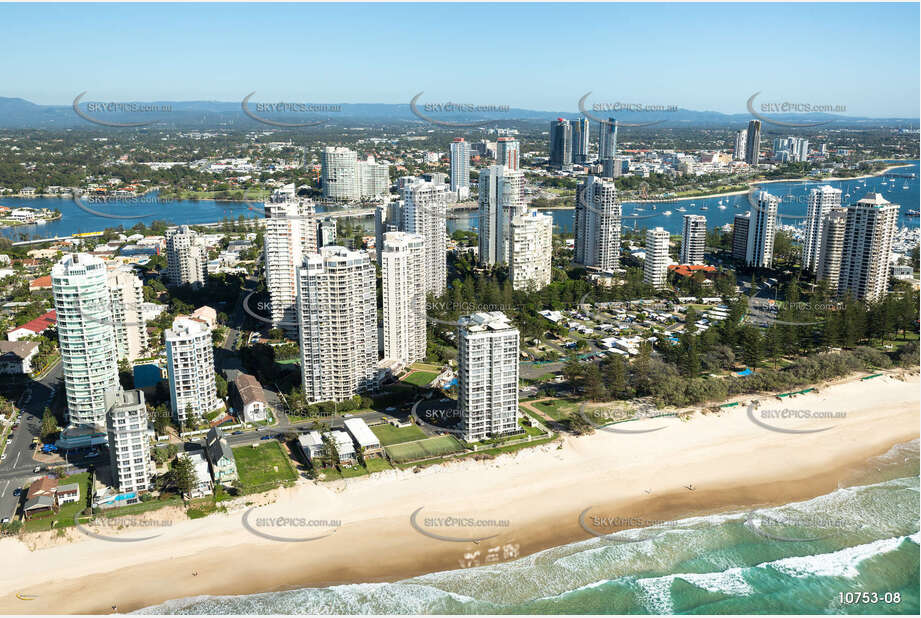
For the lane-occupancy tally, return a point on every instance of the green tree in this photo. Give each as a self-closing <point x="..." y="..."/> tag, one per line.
<point x="182" y="475"/>
<point x="50" y="427"/>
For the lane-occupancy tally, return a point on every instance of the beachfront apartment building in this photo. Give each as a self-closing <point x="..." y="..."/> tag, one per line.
<point x="424" y="213"/>
<point x="740" y="236"/>
<point x="828" y="264"/>
<point x="820" y="202"/>
<point x="129" y="443"/>
<point x="693" y="239"/>
<point x="290" y="233"/>
<point x="501" y="198"/>
<point x="86" y="336"/>
<point x="190" y="362"/>
<point x="337" y="315"/>
<point x="868" y="234"/>
<point x="531" y="241"/>
<point x="597" y="225"/>
<point x="126" y="291"/>
<point x="759" y="252"/>
<point x="655" y="267"/>
<point x="186" y="257"/>
<point x="403" y="295"/>
<point x="508" y="153"/>
<point x="460" y="167"/>
<point x="487" y="375"/>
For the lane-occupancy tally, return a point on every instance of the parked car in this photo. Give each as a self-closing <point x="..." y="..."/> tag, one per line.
<point x="37" y="469"/>
<point x="17" y="491"/>
<point x="266" y="438"/>
<point x="92" y="453"/>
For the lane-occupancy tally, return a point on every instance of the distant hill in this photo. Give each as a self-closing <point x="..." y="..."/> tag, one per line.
<point x="17" y="113"/>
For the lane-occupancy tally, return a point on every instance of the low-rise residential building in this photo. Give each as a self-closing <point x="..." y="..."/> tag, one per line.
<point x="203" y="484"/>
<point x="369" y="443"/>
<point x="250" y="400"/>
<point x="34" y="327"/>
<point x="223" y="463"/>
<point x="345" y="449"/>
<point x="312" y="446"/>
<point x="16" y="357"/>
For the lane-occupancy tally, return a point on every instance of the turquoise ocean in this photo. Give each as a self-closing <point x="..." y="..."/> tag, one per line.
<point x="789" y="559"/>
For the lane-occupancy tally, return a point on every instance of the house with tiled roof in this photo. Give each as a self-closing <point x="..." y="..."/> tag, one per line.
<point x="34" y="327"/>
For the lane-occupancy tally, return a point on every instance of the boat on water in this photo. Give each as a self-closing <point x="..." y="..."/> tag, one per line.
<point x="722" y="207"/>
<point x="667" y="212"/>
<point x="681" y="209"/>
<point x="912" y="213"/>
<point x="704" y="207"/>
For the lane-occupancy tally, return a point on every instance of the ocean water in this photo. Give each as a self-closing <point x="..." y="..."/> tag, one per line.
<point x="791" y="559"/>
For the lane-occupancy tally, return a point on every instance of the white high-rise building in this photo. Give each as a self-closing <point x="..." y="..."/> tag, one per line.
<point x="655" y="268"/>
<point x="487" y="375"/>
<point x="374" y="179"/>
<point x="693" y="239"/>
<point x="86" y="336"/>
<point x="337" y="313"/>
<point x="501" y="198"/>
<point x="190" y="361"/>
<point x="597" y="225"/>
<point x="425" y="209"/>
<point x="129" y="443"/>
<point x="127" y="295"/>
<point x="759" y="252"/>
<point x="868" y="234"/>
<point x="403" y="294"/>
<point x="345" y="178"/>
<point x="290" y="233"/>
<point x="508" y="153"/>
<point x="738" y="151"/>
<point x="339" y="174"/>
<point x="460" y="167"/>
<point x="821" y="201"/>
<point x="186" y="257"/>
<point x="828" y="264"/>
<point x="531" y="240"/>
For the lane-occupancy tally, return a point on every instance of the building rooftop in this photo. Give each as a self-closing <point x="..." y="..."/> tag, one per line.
<point x="361" y="433"/>
<point x="249" y="388"/>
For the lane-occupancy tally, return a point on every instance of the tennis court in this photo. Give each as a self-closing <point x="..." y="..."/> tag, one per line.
<point x="422" y="449"/>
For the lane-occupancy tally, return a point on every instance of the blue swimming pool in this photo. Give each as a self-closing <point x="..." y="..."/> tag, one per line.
<point x="147" y="375"/>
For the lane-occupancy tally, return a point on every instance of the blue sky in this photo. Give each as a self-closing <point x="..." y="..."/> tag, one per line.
<point x="536" y="56"/>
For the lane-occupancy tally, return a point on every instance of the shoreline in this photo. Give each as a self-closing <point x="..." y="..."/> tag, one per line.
<point x="731" y="463"/>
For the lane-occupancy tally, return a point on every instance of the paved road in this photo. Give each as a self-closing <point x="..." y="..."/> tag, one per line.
<point x="16" y="468"/>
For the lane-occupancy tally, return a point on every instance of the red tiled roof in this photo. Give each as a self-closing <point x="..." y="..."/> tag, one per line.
<point x="688" y="270"/>
<point x="42" y="283"/>
<point x="41" y="323"/>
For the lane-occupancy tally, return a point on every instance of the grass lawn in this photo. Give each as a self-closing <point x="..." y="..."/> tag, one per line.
<point x="388" y="434"/>
<point x="420" y="378"/>
<point x="426" y="367"/>
<point x="530" y="430"/>
<point x="65" y="516"/>
<point x="557" y="409"/>
<point x="377" y="464"/>
<point x="263" y="464"/>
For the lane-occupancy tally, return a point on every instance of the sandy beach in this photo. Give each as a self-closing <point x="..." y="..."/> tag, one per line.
<point x="708" y="463"/>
